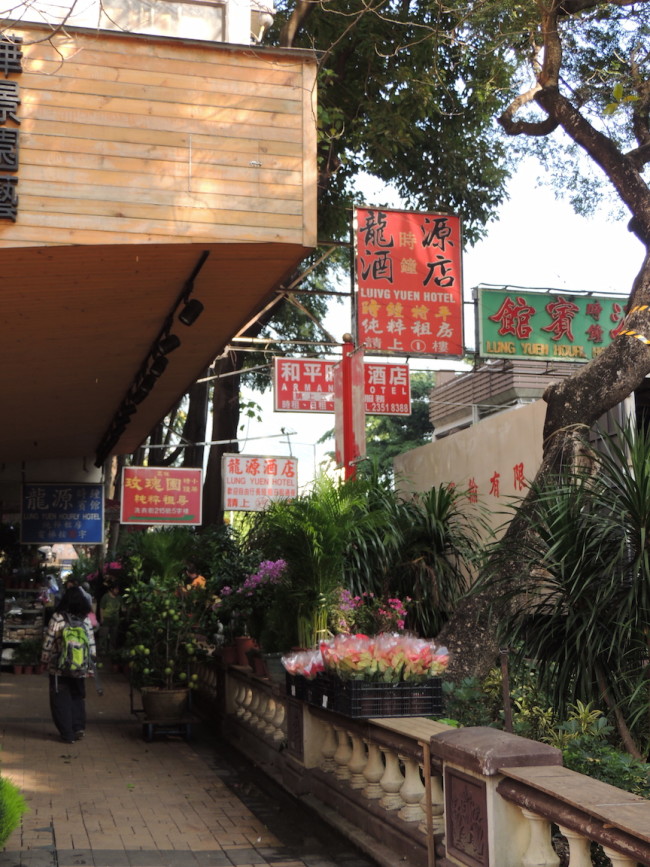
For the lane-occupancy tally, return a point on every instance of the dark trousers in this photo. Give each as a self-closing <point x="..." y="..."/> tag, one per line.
<point x="68" y="705"/>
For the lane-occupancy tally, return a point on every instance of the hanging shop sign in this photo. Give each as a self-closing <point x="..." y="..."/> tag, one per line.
<point x="54" y="513"/>
<point x="161" y="495"/>
<point x="250" y="482"/>
<point x="408" y="292"/>
<point x="546" y="326"/>
<point x="11" y="57"/>
<point x="307" y="385"/>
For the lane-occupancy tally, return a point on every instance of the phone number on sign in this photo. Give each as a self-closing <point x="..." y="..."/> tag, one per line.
<point x="389" y="408"/>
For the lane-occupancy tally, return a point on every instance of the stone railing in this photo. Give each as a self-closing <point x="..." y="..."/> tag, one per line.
<point x="420" y="793"/>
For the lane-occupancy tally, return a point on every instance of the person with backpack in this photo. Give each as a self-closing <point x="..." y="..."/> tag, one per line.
<point x="69" y="654"/>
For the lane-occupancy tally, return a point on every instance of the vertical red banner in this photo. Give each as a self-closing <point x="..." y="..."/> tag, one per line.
<point x="408" y="282"/>
<point x="349" y="410"/>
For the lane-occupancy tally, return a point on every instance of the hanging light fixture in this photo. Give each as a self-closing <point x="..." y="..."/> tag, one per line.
<point x="167" y="344"/>
<point x="190" y="312"/>
<point x="158" y="366"/>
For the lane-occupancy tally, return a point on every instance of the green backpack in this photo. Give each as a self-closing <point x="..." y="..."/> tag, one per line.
<point x="75" y="659"/>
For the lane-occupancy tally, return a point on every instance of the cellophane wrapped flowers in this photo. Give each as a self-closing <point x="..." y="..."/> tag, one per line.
<point x="385" y="658"/>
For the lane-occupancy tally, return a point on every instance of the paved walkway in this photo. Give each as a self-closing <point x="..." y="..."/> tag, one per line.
<point x="114" y="800"/>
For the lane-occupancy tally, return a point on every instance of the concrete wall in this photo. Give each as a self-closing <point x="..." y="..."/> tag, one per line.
<point x="492" y="460"/>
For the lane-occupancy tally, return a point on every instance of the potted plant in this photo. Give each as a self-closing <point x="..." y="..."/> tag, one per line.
<point x="312" y="533"/>
<point x="165" y="619"/>
<point x="27" y="655"/>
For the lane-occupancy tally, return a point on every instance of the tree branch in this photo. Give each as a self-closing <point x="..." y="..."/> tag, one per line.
<point x="619" y="168"/>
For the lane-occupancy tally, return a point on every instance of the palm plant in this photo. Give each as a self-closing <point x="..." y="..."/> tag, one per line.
<point x="578" y="584"/>
<point x="162" y="552"/>
<point x="312" y="533"/>
<point x="424" y="548"/>
<point x="362" y="536"/>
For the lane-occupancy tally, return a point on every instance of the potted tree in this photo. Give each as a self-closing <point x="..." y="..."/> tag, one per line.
<point x="164" y="619"/>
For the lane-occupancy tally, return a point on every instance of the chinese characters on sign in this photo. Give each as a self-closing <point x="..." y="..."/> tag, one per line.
<point x="161" y="495"/>
<point x="408" y="283"/>
<point x="307" y="385"/>
<point x="10" y="61"/>
<point x="250" y="481"/>
<point x="547" y="326"/>
<point x="53" y="513"/>
<point x="518" y="480"/>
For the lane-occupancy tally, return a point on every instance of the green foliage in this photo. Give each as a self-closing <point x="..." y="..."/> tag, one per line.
<point x="12" y="808"/>
<point x="468" y="703"/>
<point x="390" y="435"/>
<point x="165" y="619"/>
<point x="422" y="548"/>
<point x="596" y="758"/>
<point x="163" y="551"/>
<point x="362" y="536"/>
<point x="403" y="99"/>
<point x="583" y="739"/>
<point x="312" y="533"/>
<point x="219" y="555"/>
<point x="577" y="582"/>
<point x="28" y="652"/>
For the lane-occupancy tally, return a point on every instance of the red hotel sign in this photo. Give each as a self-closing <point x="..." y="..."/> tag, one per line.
<point x="161" y="495"/>
<point x="408" y="283"/>
<point x="307" y="385"/>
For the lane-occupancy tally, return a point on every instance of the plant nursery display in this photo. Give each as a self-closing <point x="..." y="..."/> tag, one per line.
<point x="370" y="676"/>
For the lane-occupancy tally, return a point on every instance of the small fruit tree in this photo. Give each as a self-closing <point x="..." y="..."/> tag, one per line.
<point x="164" y="621"/>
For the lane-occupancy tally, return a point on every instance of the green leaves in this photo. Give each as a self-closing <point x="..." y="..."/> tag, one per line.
<point x="577" y="582"/>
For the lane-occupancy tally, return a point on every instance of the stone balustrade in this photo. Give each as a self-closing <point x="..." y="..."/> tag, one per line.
<point x="420" y="793"/>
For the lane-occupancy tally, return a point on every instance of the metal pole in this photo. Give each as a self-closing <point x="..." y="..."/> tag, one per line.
<point x="349" y="467"/>
<point x="505" y="688"/>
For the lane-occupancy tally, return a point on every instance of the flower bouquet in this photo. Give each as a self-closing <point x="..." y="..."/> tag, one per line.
<point x="386" y="658"/>
<point x="363" y="676"/>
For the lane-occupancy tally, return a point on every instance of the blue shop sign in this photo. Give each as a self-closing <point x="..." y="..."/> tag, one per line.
<point x="53" y="513"/>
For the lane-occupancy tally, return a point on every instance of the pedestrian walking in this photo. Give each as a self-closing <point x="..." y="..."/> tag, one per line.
<point x="69" y="654"/>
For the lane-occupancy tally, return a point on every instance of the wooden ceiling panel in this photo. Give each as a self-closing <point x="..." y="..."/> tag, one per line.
<point x="77" y="323"/>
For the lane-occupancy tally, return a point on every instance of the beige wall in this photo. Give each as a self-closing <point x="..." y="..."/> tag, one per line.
<point x="495" y="452"/>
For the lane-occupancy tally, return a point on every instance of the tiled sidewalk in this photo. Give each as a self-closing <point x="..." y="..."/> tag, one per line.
<point x="114" y="800"/>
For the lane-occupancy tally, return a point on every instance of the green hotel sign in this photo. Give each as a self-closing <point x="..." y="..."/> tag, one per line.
<point x="546" y="326"/>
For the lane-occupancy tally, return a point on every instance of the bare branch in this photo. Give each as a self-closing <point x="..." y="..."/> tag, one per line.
<point x="619" y="168"/>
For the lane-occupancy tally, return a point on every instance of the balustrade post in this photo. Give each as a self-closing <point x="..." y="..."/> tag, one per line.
<point x="328" y="749"/>
<point x="391" y="781"/>
<point x="540" y="852"/>
<point x="579" y="848"/>
<point x="412" y="791"/>
<point x="373" y="772"/>
<point x="357" y="763"/>
<point x="268" y="716"/>
<point x="617" y="859"/>
<point x="279" y="722"/>
<point x="342" y="754"/>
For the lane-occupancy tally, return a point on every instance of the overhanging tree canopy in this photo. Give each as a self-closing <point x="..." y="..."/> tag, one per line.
<point x="584" y="75"/>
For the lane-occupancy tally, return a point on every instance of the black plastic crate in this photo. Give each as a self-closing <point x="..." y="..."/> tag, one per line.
<point x="297" y="686"/>
<point x="362" y="699"/>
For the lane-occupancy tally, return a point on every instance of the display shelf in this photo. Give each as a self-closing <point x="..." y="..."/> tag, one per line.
<point x="21" y="619"/>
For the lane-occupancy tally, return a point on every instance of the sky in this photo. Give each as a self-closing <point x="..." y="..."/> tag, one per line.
<point x="537" y="242"/>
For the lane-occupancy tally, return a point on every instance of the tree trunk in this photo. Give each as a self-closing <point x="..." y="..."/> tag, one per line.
<point x="225" y="421"/>
<point x="194" y="429"/>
